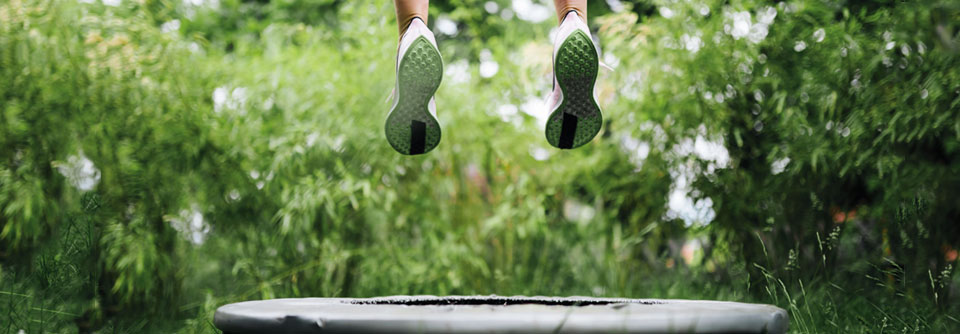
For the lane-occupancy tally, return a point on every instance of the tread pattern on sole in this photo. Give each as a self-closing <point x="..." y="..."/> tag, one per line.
<point x="410" y="128"/>
<point x="576" y="67"/>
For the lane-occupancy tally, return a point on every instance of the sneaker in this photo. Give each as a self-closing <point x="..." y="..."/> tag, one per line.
<point x="575" y="114"/>
<point x="412" y="126"/>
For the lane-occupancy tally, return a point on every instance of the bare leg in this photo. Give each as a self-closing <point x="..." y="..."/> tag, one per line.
<point x="409" y="9"/>
<point x="565" y="6"/>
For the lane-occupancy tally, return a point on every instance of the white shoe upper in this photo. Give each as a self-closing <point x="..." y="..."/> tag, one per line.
<point x="416" y="29"/>
<point x="570" y="24"/>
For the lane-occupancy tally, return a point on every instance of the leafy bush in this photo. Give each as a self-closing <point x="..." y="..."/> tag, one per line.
<point x="829" y="113"/>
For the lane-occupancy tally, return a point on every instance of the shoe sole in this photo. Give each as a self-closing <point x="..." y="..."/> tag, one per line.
<point x="410" y="128"/>
<point x="577" y="120"/>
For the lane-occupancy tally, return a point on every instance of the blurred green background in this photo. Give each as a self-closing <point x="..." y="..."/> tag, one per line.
<point x="160" y="158"/>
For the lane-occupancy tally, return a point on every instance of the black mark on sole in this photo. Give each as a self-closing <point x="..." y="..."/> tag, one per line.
<point x="568" y="131"/>
<point x="418" y="137"/>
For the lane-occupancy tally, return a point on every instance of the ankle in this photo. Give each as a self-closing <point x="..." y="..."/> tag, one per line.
<point x="567" y="11"/>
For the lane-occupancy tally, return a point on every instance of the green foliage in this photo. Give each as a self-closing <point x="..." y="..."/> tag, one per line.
<point x="842" y="99"/>
<point x="147" y="177"/>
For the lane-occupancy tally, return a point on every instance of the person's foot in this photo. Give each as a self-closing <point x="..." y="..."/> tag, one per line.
<point x="575" y="114"/>
<point x="412" y="126"/>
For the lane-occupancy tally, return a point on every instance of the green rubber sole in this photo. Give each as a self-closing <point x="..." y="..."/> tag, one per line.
<point x="577" y="120"/>
<point x="410" y="128"/>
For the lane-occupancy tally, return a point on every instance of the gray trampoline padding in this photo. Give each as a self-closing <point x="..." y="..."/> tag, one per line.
<point x="494" y="314"/>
